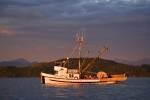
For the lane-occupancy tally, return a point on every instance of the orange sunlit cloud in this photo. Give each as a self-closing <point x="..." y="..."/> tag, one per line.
<point x="5" y="32"/>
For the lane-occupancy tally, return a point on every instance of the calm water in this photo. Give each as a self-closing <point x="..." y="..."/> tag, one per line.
<point x="31" y="89"/>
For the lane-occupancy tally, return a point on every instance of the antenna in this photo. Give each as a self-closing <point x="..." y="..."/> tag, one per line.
<point x="80" y="38"/>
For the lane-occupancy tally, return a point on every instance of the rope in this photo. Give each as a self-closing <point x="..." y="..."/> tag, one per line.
<point x="73" y="51"/>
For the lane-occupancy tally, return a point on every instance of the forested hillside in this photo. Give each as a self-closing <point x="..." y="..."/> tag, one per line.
<point x="95" y="65"/>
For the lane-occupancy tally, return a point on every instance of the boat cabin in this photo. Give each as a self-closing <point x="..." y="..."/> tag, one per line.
<point x="73" y="73"/>
<point x="66" y="73"/>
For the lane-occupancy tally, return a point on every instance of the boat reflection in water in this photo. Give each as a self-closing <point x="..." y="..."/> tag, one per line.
<point x="63" y="84"/>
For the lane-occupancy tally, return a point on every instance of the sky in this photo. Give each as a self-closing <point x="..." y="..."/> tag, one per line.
<point x="44" y="30"/>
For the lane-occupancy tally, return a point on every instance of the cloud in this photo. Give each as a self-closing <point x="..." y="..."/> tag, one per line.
<point x="33" y="10"/>
<point x="41" y="16"/>
<point x="5" y="32"/>
<point x="58" y="20"/>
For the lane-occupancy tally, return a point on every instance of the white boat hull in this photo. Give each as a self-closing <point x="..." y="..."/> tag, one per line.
<point x="49" y="78"/>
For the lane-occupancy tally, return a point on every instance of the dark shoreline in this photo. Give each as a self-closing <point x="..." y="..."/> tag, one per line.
<point x="14" y="72"/>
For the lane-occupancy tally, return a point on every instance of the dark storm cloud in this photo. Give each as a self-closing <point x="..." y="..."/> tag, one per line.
<point x="21" y="3"/>
<point x="76" y="10"/>
<point x="33" y="16"/>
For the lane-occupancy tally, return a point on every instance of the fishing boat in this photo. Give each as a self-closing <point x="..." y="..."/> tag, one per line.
<point x="64" y="74"/>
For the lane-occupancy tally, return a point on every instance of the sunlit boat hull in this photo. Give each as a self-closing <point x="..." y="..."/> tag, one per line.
<point x="49" y="78"/>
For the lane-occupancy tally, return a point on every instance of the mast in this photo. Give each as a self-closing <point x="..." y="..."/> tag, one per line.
<point x="79" y="40"/>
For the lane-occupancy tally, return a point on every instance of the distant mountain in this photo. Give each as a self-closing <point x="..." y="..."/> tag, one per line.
<point x="108" y="66"/>
<point x="143" y="61"/>
<point x="20" y="62"/>
<point x="124" y="61"/>
<point x="138" y="62"/>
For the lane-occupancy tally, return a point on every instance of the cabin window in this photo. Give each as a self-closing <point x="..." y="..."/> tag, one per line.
<point x="70" y="75"/>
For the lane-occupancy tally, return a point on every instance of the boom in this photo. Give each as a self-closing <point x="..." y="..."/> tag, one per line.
<point x="100" y="53"/>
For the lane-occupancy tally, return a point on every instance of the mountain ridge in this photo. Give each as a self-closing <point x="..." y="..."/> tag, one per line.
<point x="109" y="66"/>
<point x="19" y="62"/>
<point x="137" y="62"/>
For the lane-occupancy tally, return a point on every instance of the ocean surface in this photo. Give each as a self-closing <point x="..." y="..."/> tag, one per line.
<point x="32" y="89"/>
